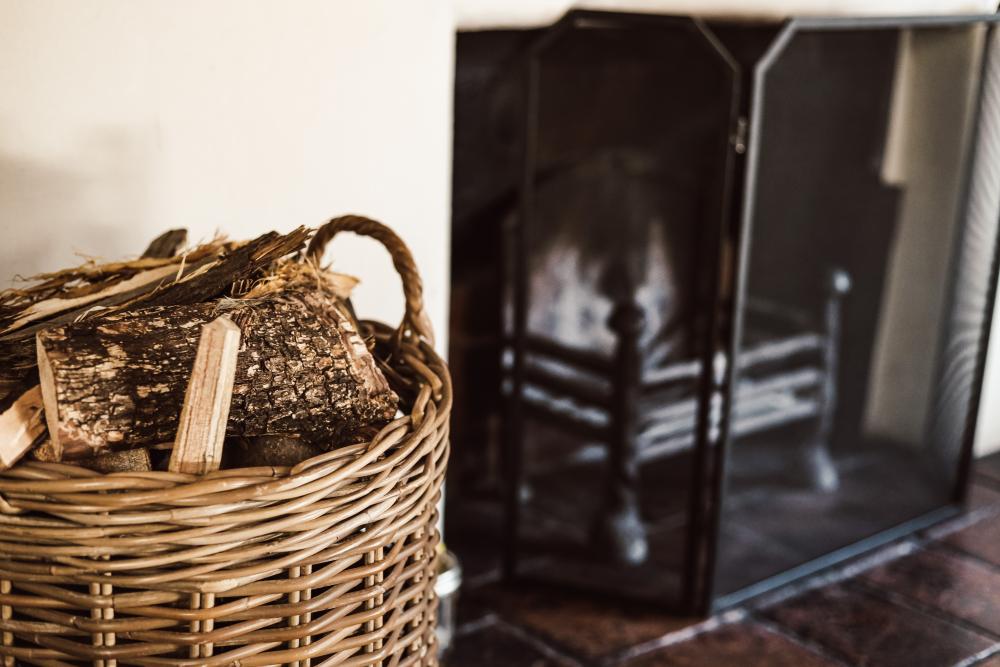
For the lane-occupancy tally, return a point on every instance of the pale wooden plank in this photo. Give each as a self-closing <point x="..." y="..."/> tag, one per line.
<point x="202" y="428"/>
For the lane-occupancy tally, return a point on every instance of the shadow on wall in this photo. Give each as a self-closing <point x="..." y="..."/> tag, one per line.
<point x="92" y="201"/>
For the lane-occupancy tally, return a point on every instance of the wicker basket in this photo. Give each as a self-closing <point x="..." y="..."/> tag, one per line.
<point x="331" y="562"/>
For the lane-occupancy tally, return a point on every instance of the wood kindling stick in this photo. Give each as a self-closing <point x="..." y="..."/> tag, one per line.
<point x="205" y="412"/>
<point x="20" y="426"/>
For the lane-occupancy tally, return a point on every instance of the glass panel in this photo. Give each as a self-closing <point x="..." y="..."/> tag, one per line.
<point x="864" y="296"/>
<point x="633" y="122"/>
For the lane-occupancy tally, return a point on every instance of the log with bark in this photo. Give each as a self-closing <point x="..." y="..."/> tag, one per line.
<point x="119" y="381"/>
<point x="208" y="272"/>
<point x="22" y="422"/>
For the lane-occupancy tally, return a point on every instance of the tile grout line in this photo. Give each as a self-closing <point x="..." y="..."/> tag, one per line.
<point x="679" y="636"/>
<point x="817" y="648"/>
<point x="959" y="552"/>
<point x="542" y="646"/>
<point x="850" y="574"/>
<point x="906" y="602"/>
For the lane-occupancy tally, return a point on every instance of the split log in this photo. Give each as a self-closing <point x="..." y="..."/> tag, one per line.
<point x="20" y="426"/>
<point x="202" y="428"/>
<point x="207" y="273"/>
<point x="18" y="376"/>
<point x="17" y="346"/>
<point x="119" y="382"/>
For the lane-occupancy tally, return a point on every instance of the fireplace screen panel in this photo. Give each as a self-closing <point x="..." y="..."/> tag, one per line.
<point x="861" y="305"/>
<point x="740" y="301"/>
<point x="620" y="224"/>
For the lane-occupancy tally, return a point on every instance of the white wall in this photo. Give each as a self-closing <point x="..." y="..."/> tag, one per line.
<point x="121" y="118"/>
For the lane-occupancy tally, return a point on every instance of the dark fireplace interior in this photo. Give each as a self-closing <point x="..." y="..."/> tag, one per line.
<point x="679" y="372"/>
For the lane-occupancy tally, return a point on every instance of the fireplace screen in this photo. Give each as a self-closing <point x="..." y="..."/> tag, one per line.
<point x="746" y="279"/>
<point x="858" y="243"/>
<point x="620" y="231"/>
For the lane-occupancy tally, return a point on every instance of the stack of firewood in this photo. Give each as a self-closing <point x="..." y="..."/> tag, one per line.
<point x="227" y="353"/>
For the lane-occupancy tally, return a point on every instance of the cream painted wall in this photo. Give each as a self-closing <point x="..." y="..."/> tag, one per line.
<point x="121" y="118"/>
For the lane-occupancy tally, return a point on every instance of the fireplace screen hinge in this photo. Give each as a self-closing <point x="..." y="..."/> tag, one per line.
<point x="739" y="136"/>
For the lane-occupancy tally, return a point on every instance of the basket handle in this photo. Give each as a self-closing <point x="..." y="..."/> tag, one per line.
<point x="415" y="320"/>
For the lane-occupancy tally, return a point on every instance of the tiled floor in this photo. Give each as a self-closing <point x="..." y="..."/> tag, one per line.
<point x="932" y="600"/>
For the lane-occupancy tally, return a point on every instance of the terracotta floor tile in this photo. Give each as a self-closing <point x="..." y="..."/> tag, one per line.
<point x="852" y="622"/>
<point x="981" y="539"/>
<point x="738" y="645"/>
<point x="868" y="632"/>
<point x="952" y="583"/>
<point x="495" y="646"/>
<point x="584" y="624"/>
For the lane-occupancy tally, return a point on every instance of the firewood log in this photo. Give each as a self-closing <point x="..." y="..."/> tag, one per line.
<point x="207" y="273"/>
<point x="17" y="378"/>
<point x="119" y="382"/>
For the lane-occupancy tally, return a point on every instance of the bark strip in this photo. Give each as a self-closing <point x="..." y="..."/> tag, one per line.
<point x="166" y="244"/>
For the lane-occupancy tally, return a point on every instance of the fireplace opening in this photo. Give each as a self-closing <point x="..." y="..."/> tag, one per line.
<point x="719" y="297"/>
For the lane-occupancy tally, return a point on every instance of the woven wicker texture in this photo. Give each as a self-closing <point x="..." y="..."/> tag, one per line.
<point x="331" y="562"/>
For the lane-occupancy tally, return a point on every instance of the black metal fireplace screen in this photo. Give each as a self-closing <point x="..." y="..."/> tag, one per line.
<point x="745" y="293"/>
